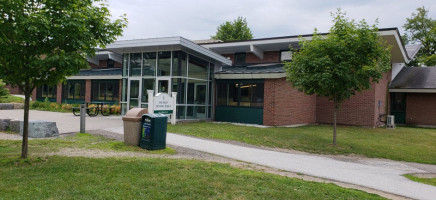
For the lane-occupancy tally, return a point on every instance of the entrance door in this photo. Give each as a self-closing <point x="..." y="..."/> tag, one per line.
<point x="163" y="85"/>
<point x="134" y="93"/>
<point x="398" y="107"/>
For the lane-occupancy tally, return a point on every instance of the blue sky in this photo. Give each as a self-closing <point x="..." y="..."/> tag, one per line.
<point x="198" y="19"/>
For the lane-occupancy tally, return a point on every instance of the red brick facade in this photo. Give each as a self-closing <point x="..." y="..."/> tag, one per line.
<point x="14" y="90"/>
<point x="268" y="57"/>
<point x="284" y="105"/>
<point x="361" y="109"/>
<point x="421" y="109"/>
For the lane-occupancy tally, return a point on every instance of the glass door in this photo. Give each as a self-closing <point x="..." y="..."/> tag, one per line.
<point x="163" y="85"/>
<point x="134" y="93"/>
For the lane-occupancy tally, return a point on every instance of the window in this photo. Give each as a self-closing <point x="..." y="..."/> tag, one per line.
<point x="240" y="93"/>
<point x="164" y="65"/>
<point x="285" y="55"/>
<point x="179" y="63"/>
<point x="106" y="90"/>
<point x="74" y="90"/>
<point x="110" y="63"/>
<point x="197" y="68"/>
<point x="46" y="91"/>
<point x="149" y="64"/>
<point x="240" y="58"/>
<point x="135" y="64"/>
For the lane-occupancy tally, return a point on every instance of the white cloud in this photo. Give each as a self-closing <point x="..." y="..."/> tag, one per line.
<point x="198" y="19"/>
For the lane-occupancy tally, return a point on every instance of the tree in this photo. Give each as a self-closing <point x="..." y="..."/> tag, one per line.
<point x="232" y="31"/>
<point x="420" y="28"/>
<point x="44" y="41"/>
<point x="336" y="65"/>
<point x="3" y="91"/>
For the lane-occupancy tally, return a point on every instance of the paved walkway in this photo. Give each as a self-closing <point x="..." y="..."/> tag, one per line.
<point x="372" y="173"/>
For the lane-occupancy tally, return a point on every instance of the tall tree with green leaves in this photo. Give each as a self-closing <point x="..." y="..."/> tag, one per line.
<point x="44" y="41"/>
<point x="420" y="28"/>
<point x="233" y="31"/>
<point x="339" y="64"/>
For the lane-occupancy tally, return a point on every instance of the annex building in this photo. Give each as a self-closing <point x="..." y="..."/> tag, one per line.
<point x="241" y="81"/>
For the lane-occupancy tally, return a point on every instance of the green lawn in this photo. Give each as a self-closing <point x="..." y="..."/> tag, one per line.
<point x="428" y="181"/>
<point x="11" y="99"/>
<point x="56" y="177"/>
<point x="152" y="178"/>
<point x="11" y="148"/>
<point x="402" y="143"/>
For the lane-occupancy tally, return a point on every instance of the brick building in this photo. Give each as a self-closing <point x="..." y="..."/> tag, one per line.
<point x="241" y="81"/>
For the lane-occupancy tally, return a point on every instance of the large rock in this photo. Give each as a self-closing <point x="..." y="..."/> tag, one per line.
<point x="14" y="126"/>
<point x="4" y="124"/>
<point x="41" y="129"/>
<point x="18" y="106"/>
<point x="6" y="106"/>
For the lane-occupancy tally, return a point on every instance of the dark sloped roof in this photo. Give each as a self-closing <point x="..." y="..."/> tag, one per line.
<point x="253" y="69"/>
<point x="100" y="72"/>
<point x="415" y="78"/>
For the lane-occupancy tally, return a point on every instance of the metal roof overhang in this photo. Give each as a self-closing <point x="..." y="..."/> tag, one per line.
<point x="166" y="44"/>
<point x="104" y="55"/>
<point x="411" y="90"/>
<point x="250" y="76"/>
<point x="258" y="46"/>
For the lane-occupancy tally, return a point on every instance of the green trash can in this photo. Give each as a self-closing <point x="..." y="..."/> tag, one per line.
<point x="154" y="131"/>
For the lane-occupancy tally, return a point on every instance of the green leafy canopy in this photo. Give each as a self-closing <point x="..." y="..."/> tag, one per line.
<point x="420" y="28"/>
<point x="43" y="41"/>
<point x="338" y="64"/>
<point x="233" y="31"/>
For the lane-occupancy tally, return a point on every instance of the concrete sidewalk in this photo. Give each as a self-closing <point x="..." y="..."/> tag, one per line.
<point x="66" y="122"/>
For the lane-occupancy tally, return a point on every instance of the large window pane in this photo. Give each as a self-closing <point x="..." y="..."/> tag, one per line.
<point x="232" y="98"/>
<point x="222" y="90"/>
<point x="197" y="68"/>
<point x="104" y="90"/>
<point x="245" y="98"/>
<point x="164" y="64"/>
<point x="147" y="84"/>
<point x="135" y="64"/>
<point x="257" y="95"/>
<point x="179" y="86"/>
<point x="179" y="63"/>
<point x="149" y="64"/>
<point x="196" y="92"/>
<point x="75" y="90"/>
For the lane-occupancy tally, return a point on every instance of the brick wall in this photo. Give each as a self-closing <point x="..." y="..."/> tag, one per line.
<point x="14" y="90"/>
<point x="421" y="109"/>
<point x="268" y="57"/>
<point x="382" y="95"/>
<point x="361" y="109"/>
<point x="88" y="90"/>
<point x="284" y="105"/>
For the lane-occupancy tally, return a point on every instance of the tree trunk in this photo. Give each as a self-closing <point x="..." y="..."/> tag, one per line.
<point x="334" y="126"/>
<point x="24" y="146"/>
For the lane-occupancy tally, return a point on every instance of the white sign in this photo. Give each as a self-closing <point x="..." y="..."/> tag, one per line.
<point x="163" y="103"/>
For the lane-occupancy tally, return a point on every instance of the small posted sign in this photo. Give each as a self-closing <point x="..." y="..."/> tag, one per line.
<point x="163" y="104"/>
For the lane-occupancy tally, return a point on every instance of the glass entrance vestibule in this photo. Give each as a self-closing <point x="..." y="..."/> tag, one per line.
<point x="165" y="72"/>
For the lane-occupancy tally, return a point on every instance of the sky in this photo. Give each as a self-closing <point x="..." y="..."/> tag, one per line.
<point x="199" y="19"/>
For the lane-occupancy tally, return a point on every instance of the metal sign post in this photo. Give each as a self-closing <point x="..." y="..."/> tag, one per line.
<point x="82" y="117"/>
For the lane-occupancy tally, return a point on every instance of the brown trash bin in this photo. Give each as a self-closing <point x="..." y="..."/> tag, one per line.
<point x="132" y="125"/>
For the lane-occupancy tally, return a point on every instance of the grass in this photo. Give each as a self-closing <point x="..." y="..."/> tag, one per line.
<point x="428" y="181"/>
<point x="402" y="143"/>
<point x="11" y="148"/>
<point x="153" y="178"/>
<point x="11" y="99"/>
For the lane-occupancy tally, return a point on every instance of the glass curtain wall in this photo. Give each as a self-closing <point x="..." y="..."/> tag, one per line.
<point x="190" y="76"/>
